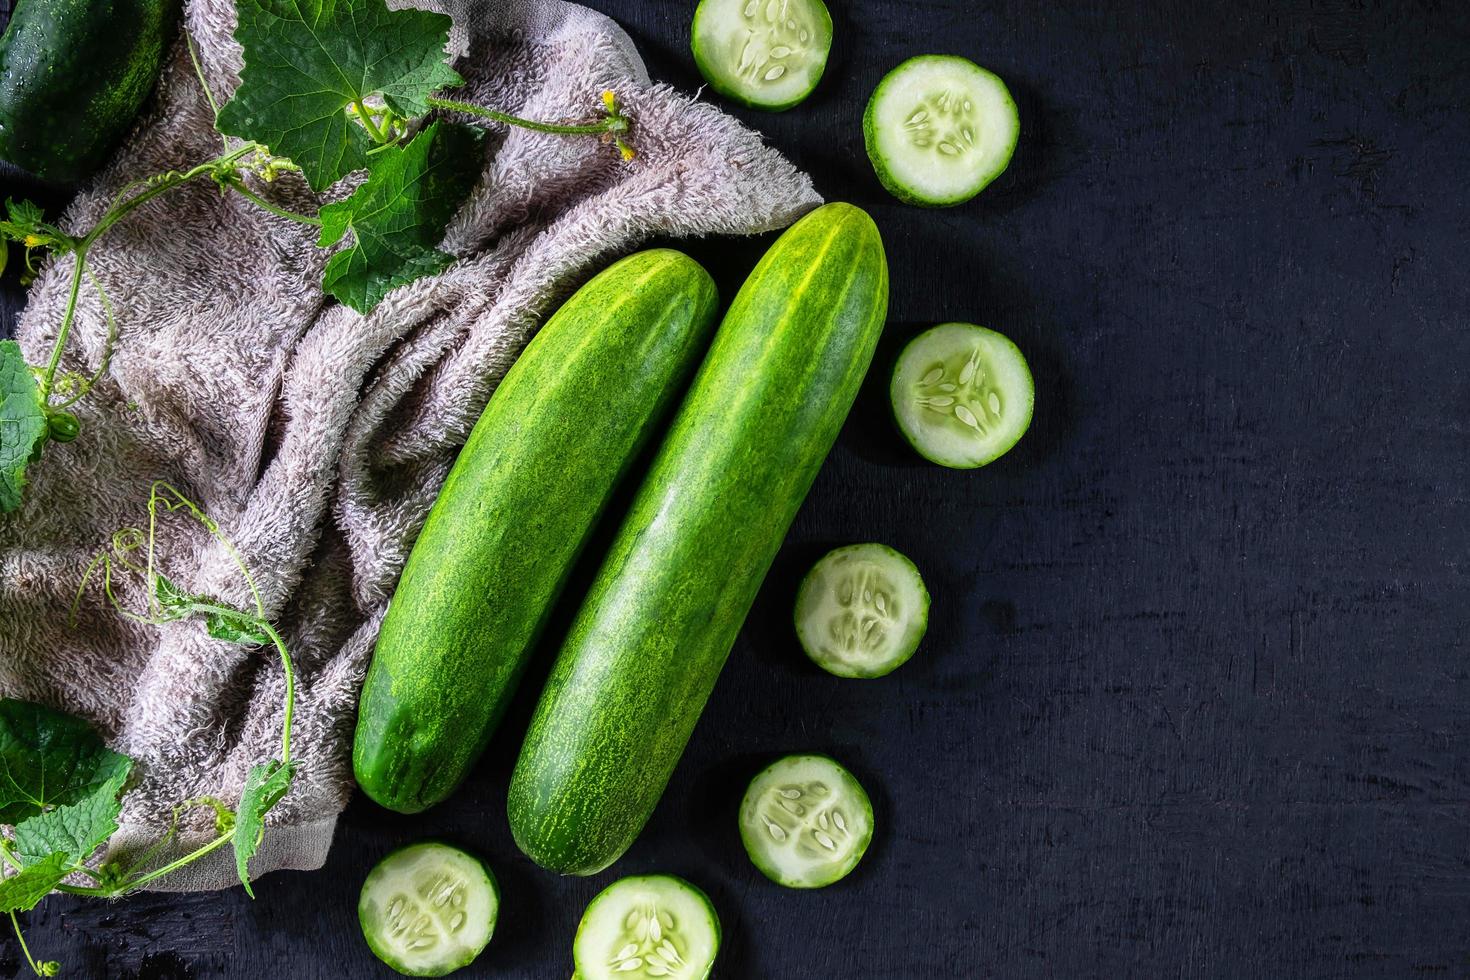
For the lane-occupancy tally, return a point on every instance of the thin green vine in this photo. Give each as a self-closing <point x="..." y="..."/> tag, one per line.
<point x="387" y="131"/>
<point x="132" y="197"/>
<point x="612" y="126"/>
<point x="85" y="386"/>
<point x="132" y="552"/>
<point x="240" y="188"/>
<point x="260" y="136"/>
<point x="49" y="968"/>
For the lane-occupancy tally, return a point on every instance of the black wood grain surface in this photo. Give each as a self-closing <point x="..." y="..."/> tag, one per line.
<point x="1195" y="699"/>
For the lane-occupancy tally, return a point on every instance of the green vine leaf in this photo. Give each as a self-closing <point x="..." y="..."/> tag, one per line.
<point x="171" y="598"/>
<point x="22" y="218"/>
<point x="264" y="788"/>
<point x="48" y="758"/>
<point x="232" y="626"/>
<point x="61" y="787"/>
<point x="307" y="61"/>
<point x="76" y="830"/>
<point x="24" y="890"/>
<point x="23" y="426"/>
<point x="25" y="223"/>
<point x="235" y="628"/>
<point x="398" y="216"/>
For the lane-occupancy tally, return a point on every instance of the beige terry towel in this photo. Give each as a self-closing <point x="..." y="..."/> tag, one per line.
<point x="315" y="436"/>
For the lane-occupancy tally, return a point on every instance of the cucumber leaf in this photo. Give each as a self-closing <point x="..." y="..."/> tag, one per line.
<point x="264" y="787"/>
<point x="306" y="61"/>
<point x="231" y="626"/>
<point x="24" y="890"/>
<point x="23" y="220"/>
<point x="398" y="216"/>
<point x="76" y="830"/>
<point x="235" y="628"/>
<point x="48" y="758"/>
<point x="23" y="429"/>
<point x="171" y="598"/>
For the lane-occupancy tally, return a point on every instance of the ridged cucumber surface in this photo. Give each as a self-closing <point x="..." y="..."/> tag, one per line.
<point x="523" y="496"/>
<point x="647" y="646"/>
<point x="73" y="75"/>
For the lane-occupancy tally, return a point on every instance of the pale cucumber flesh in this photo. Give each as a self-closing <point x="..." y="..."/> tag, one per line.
<point x="767" y="54"/>
<point x="428" y="909"/>
<point x="962" y="395"/>
<point x="806" y="821"/>
<point x="939" y="128"/>
<point x="861" y="611"/>
<point x="649" y="927"/>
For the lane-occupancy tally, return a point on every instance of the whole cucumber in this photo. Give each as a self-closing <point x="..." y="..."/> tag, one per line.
<point x="73" y="75"/>
<point x="647" y="647"/>
<point x="523" y="496"/>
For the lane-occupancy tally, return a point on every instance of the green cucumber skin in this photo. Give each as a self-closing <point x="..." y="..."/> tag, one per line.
<point x="73" y="75"/>
<point x="519" y="503"/>
<point x="647" y="647"/>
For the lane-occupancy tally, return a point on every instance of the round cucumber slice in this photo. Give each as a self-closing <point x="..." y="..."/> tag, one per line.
<point x="861" y="611"/>
<point x="645" y="927"/>
<point x="766" y="54"/>
<point x="962" y="395"/>
<point x="806" y="821"/>
<point x="428" y="909"/>
<point x="939" y="128"/>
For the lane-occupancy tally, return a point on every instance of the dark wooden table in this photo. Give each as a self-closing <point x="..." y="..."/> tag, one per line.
<point x="1195" y="700"/>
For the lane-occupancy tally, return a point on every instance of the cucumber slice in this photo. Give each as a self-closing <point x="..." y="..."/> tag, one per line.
<point x="962" y="395"/>
<point x="806" y="822"/>
<point x="428" y="909"/>
<point x="939" y="128"/>
<point x="645" y="927"/>
<point x="861" y="611"/>
<point x="766" y="54"/>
